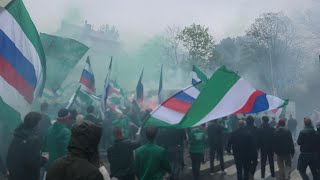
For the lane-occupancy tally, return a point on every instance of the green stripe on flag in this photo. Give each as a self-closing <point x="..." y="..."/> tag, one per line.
<point x="200" y="74"/>
<point x="10" y="118"/>
<point x="216" y="88"/>
<point x="19" y="12"/>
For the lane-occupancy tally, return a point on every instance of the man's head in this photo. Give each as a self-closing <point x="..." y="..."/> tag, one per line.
<point x="151" y="133"/>
<point x="44" y="107"/>
<point x="282" y="123"/>
<point x="250" y="121"/>
<point x="242" y="123"/>
<point x="117" y="133"/>
<point x="63" y="115"/>
<point x="307" y="122"/>
<point x="265" y="119"/>
<point x="31" y="120"/>
<point x="90" y="109"/>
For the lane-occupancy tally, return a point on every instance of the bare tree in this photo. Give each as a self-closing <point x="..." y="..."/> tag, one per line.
<point x="171" y="45"/>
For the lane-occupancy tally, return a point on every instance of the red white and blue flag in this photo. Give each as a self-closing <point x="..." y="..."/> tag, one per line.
<point x="22" y="61"/>
<point x="87" y="79"/>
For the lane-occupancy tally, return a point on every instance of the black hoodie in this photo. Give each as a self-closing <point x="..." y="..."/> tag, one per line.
<point x="24" y="158"/>
<point x="82" y="161"/>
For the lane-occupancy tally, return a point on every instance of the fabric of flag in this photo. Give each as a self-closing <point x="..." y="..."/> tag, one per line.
<point x="224" y="94"/>
<point x="62" y="55"/>
<point x="115" y="101"/>
<point x="87" y="79"/>
<point x="105" y="89"/>
<point x="139" y="90"/>
<point x="198" y="75"/>
<point x="160" y="93"/>
<point x="227" y="93"/>
<point x="171" y="111"/>
<point x="22" y="63"/>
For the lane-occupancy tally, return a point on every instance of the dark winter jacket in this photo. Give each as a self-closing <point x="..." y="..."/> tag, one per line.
<point x="265" y="137"/>
<point x="307" y="140"/>
<point x="282" y="142"/>
<point x="24" y="158"/>
<point x="292" y="124"/>
<point x="120" y="156"/>
<point x="82" y="160"/>
<point x="242" y="144"/>
<point x="215" y="135"/>
<point x="253" y="131"/>
<point x="92" y="118"/>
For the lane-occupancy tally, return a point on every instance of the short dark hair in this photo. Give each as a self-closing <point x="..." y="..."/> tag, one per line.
<point x="44" y="106"/>
<point x="151" y="133"/>
<point x="90" y="109"/>
<point x="250" y="120"/>
<point x="265" y="119"/>
<point x="31" y="120"/>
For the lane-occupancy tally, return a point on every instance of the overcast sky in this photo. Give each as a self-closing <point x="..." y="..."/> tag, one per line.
<point x="141" y="19"/>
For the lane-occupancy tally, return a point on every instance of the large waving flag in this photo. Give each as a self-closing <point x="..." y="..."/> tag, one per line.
<point x="87" y="79"/>
<point x="160" y="93"/>
<point x="139" y="89"/>
<point x="22" y="63"/>
<point x="198" y="75"/>
<point x="224" y="94"/>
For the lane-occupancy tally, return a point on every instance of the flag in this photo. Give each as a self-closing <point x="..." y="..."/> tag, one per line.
<point x="22" y="63"/>
<point x="115" y="100"/>
<point x="73" y="98"/>
<point x="171" y="111"/>
<point x="87" y="79"/>
<point x="198" y="75"/>
<point x="160" y="88"/>
<point x="139" y="90"/>
<point x="224" y="94"/>
<point x="62" y="55"/>
<point x="105" y="89"/>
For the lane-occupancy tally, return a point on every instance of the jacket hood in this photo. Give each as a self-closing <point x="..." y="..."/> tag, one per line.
<point x="23" y="133"/>
<point x="85" y="138"/>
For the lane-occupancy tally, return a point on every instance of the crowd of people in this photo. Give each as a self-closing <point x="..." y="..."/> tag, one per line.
<point x="70" y="147"/>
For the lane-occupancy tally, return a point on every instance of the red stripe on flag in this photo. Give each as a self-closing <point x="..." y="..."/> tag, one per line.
<point x="177" y="105"/>
<point x="250" y="103"/>
<point x="112" y="90"/>
<point x="8" y="73"/>
<point x="88" y="84"/>
<point x="275" y="110"/>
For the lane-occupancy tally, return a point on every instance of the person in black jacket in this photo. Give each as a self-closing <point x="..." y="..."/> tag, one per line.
<point x="253" y="131"/>
<point x="308" y="148"/>
<point x="215" y="141"/>
<point x="120" y="156"/>
<point x="283" y="147"/>
<point x="242" y="145"/>
<point x="265" y="143"/>
<point x="82" y="161"/>
<point x="292" y="126"/>
<point x="24" y="158"/>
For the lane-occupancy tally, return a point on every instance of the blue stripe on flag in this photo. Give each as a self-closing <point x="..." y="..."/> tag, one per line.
<point x="86" y="74"/>
<point x="194" y="81"/>
<point x="23" y="66"/>
<point x="182" y="96"/>
<point x="261" y="104"/>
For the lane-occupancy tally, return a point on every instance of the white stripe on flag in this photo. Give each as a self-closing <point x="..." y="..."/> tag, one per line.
<point x="274" y="102"/>
<point x="233" y="100"/>
<point x="167" y="115"/>
<point x="13" y="98"/>
<point x="195" y="76"/>
<point x="13" y="30"/>
<point x="192" y="91"/>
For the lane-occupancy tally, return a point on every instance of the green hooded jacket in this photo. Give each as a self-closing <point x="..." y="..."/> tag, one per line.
<point x="151" y="162"/>
<point x="56" y="142"/>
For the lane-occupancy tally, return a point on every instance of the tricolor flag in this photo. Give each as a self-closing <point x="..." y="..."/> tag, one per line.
<point x="139" y="89"/>
<point x="87" y="79"/>
<point x="160" y="96"/>
<point x="115" y="99"/>
<point x="224" y="94"/>
<point x="106" y="87"/>
<point x="22" y="63"/>
<point x="198" y="75"/>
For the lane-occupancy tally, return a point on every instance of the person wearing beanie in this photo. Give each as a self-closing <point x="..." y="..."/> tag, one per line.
<point x="82" y="159"/>
<point x="284" y="149"/>
<point x="308" y="148"/>
<point x="24" y="159"/>
<point x="265" y="143"/>
<point x="58" y="137"/>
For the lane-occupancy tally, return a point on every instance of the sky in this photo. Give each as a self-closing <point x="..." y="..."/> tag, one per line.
<point x="138" y="20"/>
